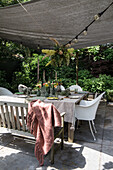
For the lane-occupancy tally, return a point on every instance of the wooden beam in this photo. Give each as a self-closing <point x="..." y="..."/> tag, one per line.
<point x="76" y="68"/>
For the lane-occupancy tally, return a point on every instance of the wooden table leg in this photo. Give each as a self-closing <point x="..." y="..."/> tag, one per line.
<point x="70" y="133"/>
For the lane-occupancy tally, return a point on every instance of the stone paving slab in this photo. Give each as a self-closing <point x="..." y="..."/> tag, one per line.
<point x="13" y="159"/>
<point x="106" y="158"/>
<point x="24" y="145"/>
<point x="109" y="117"/>
<point x="74" y="156"/>
<point x="108" y="137"/>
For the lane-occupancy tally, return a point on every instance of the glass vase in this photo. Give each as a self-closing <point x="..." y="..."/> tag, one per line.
<point x="46" y="94"/>
<point x="38" y="92"/>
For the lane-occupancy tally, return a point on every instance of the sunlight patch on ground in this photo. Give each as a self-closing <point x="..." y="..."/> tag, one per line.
<point x="6" y="151"/>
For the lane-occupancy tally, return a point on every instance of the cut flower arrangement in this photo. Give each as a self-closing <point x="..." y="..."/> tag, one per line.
<point x="40" y="86"/>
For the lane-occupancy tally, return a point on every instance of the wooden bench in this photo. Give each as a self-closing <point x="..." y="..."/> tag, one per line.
<point x="13" y="117"/>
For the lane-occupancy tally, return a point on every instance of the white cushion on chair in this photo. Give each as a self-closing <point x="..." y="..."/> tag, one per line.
<point x="62" y="88"/>
<point x="73" y="87"/>
<point x="4" y="91"/>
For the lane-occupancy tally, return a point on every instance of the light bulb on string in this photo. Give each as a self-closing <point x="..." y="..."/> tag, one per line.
<point x="69" y="44"/>
<point x="85" y="31"/>
<point x="75" y="39"/>
<point x="96" y="17"/>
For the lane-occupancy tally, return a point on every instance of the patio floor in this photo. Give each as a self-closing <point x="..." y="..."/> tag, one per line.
<point x="84" y="153"/>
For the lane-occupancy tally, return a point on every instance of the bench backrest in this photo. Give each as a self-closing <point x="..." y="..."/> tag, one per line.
<point x="13" y="115"/>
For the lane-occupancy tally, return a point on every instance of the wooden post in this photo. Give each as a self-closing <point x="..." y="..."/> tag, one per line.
<point x="44" y="75"/>
<point x="76" y="68"/>
<point x="55" y="75"/>
<point x="70" y="133"/>
<point x="38" y="69"/>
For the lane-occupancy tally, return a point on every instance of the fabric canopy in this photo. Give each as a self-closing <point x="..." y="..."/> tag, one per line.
<point x="59" y="19"/>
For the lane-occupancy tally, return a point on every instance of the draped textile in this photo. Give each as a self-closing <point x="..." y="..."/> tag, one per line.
<point x="40" y="120"/>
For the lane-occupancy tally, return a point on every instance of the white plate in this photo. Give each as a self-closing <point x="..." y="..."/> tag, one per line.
<point x="22" y="96"/>
<point x="74" y="97"/>
<point x="33" y="95"/>
<point x="82" y="92"/>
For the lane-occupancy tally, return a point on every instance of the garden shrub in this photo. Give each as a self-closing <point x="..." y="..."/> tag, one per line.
<point x="100" y="84"/>
<point x="84" y="74"/>
<point x="68" y="82"/>
<point x="109" y="95"/>
<point x="19" y="78"/>
<point x="3" y="80"/>
<point x="68" y="76"/>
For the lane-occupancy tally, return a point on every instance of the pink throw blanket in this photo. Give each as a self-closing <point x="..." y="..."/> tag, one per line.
<point x="40" y="119"/>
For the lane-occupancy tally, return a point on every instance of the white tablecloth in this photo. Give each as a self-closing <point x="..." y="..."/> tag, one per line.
<point x="65" y="105"/>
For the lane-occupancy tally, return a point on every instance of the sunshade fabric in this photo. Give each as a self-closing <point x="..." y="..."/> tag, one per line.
<point x="60" y="19"/>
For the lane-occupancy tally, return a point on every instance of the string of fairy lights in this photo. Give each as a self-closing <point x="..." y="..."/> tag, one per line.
<point x="84" y="31"/>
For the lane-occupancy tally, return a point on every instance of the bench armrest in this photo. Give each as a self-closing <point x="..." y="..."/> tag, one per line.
<point x="62" y="114"/>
